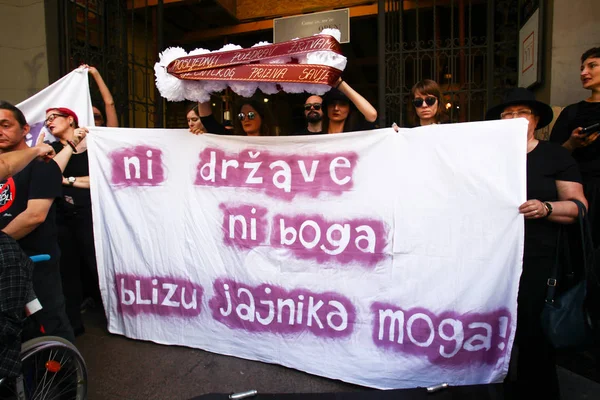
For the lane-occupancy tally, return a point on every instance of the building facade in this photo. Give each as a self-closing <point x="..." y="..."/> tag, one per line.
<point x="470" y="47"/>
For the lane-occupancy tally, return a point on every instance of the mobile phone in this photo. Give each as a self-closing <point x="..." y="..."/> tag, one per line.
<point x="590" y="129"/>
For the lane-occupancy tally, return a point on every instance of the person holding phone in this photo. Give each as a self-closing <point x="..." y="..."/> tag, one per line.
<point x="570" y="132"/>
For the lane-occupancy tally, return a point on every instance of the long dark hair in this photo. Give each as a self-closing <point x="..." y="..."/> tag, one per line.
<point x="267" y="127"/>
<point x="192" y="107"/>
<point x="431" y="88"/>
<point x="352" y="122"/>
<point x="102" y="112"/>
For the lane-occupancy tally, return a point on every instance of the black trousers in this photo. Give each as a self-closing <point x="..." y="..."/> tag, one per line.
<point x="48" y="289"/>
<point x="536" y="376"/>
<point x="78" y="260"/>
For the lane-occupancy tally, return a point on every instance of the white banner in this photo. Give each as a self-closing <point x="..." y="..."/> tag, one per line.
<point x="71" y="91"/>
<point x="389" y="260"/>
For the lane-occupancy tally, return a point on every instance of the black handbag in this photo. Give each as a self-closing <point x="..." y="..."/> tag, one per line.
<point x="565" y="318"/>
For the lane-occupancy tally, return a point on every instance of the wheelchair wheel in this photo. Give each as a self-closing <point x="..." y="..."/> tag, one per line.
<point x="52" y="368"/>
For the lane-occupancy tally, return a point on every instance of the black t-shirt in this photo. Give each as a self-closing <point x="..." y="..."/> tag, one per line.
<point x="546" y="164"/>
<point x="77" y="166"/>
<point x="357" y="122"/>
<point x="305" y="132"/>
<point x="577" y="115"/>
<point x="212" y="126"/>
<point x="39" y="180"/>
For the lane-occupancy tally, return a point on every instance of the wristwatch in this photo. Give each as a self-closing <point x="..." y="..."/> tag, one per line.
<point x="548" y="208"/>
<point x="71" y="180"/>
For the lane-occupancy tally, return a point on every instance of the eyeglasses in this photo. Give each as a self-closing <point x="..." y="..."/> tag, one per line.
<point x="97" y="117"/>
<point x="418" y="102"/>
<point x="308" y="106"/>
<point x="517" y="114"/>
<point x="251" y="116"/>
<point x="52" y="117"/>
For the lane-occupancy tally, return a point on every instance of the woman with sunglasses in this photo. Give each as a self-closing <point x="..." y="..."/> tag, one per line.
<point x="251" y="119"/>
<point x="425" y="98"/>
<point x="74" y="214"/>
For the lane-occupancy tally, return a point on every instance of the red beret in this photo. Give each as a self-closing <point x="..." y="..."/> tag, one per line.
<point x="66" y="111"/>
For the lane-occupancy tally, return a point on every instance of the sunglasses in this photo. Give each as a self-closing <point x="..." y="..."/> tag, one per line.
<point x="251" y="116"/>
<point x="428" y="100"/>
<point x="52" y="117"/>
<point x="308" y="106"/>
<point x="97" y="117"/>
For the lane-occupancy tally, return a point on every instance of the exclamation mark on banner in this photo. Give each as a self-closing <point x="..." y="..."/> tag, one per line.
<point x="503" y="331"/>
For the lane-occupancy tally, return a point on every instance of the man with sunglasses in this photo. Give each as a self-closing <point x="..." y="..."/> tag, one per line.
<point x="313" y="112"/>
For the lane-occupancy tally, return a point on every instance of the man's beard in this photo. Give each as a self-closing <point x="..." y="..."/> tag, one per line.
<point x="314" y="116"/>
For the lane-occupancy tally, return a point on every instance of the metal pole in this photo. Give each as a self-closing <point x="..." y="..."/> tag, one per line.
<point x="161" y="45"/>
<point x="490" y="53"/>
<point x="381" y="61"/>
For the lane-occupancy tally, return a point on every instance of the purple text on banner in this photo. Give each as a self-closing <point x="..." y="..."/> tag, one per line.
<point x="158" y="295"/>
<point x="447" y="339"/>
<point x="244" y="226"/>
<point x="269" y="308"/>
<point x="359" y="240"/>
<point x="137" y="166"/>
<point x="278" y="175"/>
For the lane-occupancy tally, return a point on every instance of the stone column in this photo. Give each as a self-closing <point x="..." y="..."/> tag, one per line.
<point x="24" y="66"/>
<point x="575" y="28"/>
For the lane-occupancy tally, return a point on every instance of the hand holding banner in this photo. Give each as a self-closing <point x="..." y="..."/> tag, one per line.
<point x="71" y="91"/>
<point x="389" y="260"/>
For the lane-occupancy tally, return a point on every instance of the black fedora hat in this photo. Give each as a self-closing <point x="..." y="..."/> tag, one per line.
<point x="525" y="97"/>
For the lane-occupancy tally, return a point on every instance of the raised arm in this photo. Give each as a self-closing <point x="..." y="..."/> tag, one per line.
<point x="204" y="109"/>
<point x="112" y="120"/>
<point x="14" y="161"/>
<point x="63" y="156"/>
<point x="208" y="120"/>
<point x="360" y="102"/>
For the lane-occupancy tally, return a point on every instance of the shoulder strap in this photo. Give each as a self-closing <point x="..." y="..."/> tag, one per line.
<point x="587" y="249"/>
<point x="555" y="271"/>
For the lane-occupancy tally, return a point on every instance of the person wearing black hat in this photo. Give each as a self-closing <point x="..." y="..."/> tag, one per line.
<point x="340" y="115"/>
<point x="552" y="179"/>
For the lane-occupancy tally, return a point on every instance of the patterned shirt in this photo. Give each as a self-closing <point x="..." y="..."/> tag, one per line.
<point x="16" y="270"/>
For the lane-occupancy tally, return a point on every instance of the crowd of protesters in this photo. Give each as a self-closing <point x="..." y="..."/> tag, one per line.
<point x="52" y="214"/>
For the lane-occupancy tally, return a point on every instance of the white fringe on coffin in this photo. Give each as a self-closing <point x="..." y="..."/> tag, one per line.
<point x="175" y="89"/>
